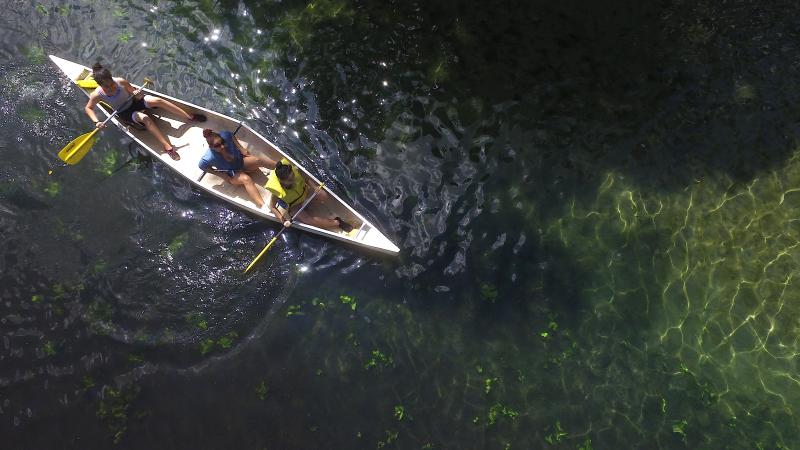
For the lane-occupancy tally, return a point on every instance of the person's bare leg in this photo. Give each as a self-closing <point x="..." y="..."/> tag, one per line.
<point x="319" y="222"/>
<point x="152" y="128"/>
<point x="157" y="102"/>
<point x="242" y="179"/>
<point x="253" y="162"/>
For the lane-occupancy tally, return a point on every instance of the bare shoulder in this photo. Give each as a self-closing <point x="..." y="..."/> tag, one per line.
<point x="95" y="94"/>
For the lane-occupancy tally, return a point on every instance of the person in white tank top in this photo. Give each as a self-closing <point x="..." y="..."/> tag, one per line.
<point x="117" y="92"/>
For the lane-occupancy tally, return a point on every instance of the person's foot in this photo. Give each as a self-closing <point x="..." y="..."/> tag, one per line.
<point x="197" y="118"/>
<point x="346" y="227"/>
<point x="173" y="153"/>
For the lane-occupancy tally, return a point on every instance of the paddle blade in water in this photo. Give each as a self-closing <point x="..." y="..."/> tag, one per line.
<point x="263" y="252"/>
<point x="78" y="148"/>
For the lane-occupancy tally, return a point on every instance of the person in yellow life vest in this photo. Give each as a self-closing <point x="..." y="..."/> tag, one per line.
<point x="289" y="191"/>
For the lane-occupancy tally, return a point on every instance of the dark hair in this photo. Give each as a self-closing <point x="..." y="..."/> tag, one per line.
<point x="282" y="170"/>
<point x="208" y="132"/>
<point x="100" y="73"/>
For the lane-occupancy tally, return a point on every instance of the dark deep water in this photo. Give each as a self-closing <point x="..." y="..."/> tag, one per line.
<point x="597" y="206"/>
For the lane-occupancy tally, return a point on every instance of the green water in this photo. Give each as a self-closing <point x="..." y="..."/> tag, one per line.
<point x="596" y="205"/>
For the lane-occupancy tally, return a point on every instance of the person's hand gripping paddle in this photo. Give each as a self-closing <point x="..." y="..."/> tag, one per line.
<point x="73" y="152"/>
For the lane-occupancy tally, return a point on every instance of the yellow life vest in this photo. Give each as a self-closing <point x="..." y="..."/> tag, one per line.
<point x="293" y="195"/>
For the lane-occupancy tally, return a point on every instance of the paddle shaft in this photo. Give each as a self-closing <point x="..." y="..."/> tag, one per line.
<point x="272" y="241"/>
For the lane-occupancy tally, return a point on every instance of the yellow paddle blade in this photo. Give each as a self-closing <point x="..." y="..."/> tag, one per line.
<point x="87" y="83"/>
<point x="78" y="148"/>
<point x="262" y="253"/>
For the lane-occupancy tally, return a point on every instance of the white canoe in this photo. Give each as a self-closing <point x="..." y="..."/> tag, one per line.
<point x="188" y="139"/>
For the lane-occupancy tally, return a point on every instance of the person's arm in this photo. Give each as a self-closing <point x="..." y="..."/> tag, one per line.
<point x="273" y="206"/>
<point x="94" y="99"/>
<point x="310" y="184"/>
<point x="129" y="90"/>
<point x="240" y="147"/>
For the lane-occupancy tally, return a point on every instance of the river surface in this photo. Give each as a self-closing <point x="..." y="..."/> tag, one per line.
<point x="598" y="210"/>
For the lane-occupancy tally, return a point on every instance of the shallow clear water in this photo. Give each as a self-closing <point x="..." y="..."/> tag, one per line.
<point x="597" y="210"/>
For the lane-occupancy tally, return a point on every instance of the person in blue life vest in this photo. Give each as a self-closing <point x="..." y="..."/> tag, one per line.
<point x="115" y="91"/>
<point x="227" y="158"/>
<point x="289" y="191"/>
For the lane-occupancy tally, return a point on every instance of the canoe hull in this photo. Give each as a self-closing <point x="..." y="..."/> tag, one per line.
<point x="191" y="145"/>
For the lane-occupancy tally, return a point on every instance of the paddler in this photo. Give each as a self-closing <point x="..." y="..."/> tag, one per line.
<point x="227" y="158"/>
<point x="289" y="190"/>
<point x="116" y="91"/>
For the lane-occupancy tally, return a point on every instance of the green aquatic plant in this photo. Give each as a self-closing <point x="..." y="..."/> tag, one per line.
<point x="99" y="266"/>
<point x="114" y="407"/>
<point x="557" y="435"/>
<point x="63" y="10"/>
<point x="497" y="410"/>
<point x="298" y="27"/>
<point x="294" y="310"/>
<point x="318" y="303"/>
<point x="41" y="9"/>
<point x="31" y="113"/>
<point x="98" y="313"/>
<point x="59" y="291"/>
<point x="108" y="162"/>
<point x="197" y="320"/>
<point x="349" y="301"/>
<point x="745" y="92"/>
<point x="586" y="445"/>
<point x="544" y="334"/>
<point x="58" y="310"/>
<point x="49" y="348"/>
<point x="167" y="336"/>
<point x="87" y="383"/>
<point x="206" y="345"/>
<point x="351" y="339"/>
<point x="399" y="412"/>
<point x="119" y="13"/>
<point x="378" y="360"/>
<point x="487" y="384"/>
<point x="35" y="55"/>
<point x="135" y="358"/>
<point x="36" y="298"/>
<point x="489" y="292"/>
<point x="177" y="243"/>
<point x="391" y="436"/>
<point x="141" y="336"/>
<point x="438" y="72"/>
<point x="227" y="340"/>
<point x="680" y="427"/>
<point x="52" y="188"/>
<point x="261" y="390"/>
<point x="124" y="37"/>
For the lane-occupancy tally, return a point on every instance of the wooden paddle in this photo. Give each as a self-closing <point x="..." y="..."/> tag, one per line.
<point x="73" y="152"/>
<point x="263" y="252"/>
